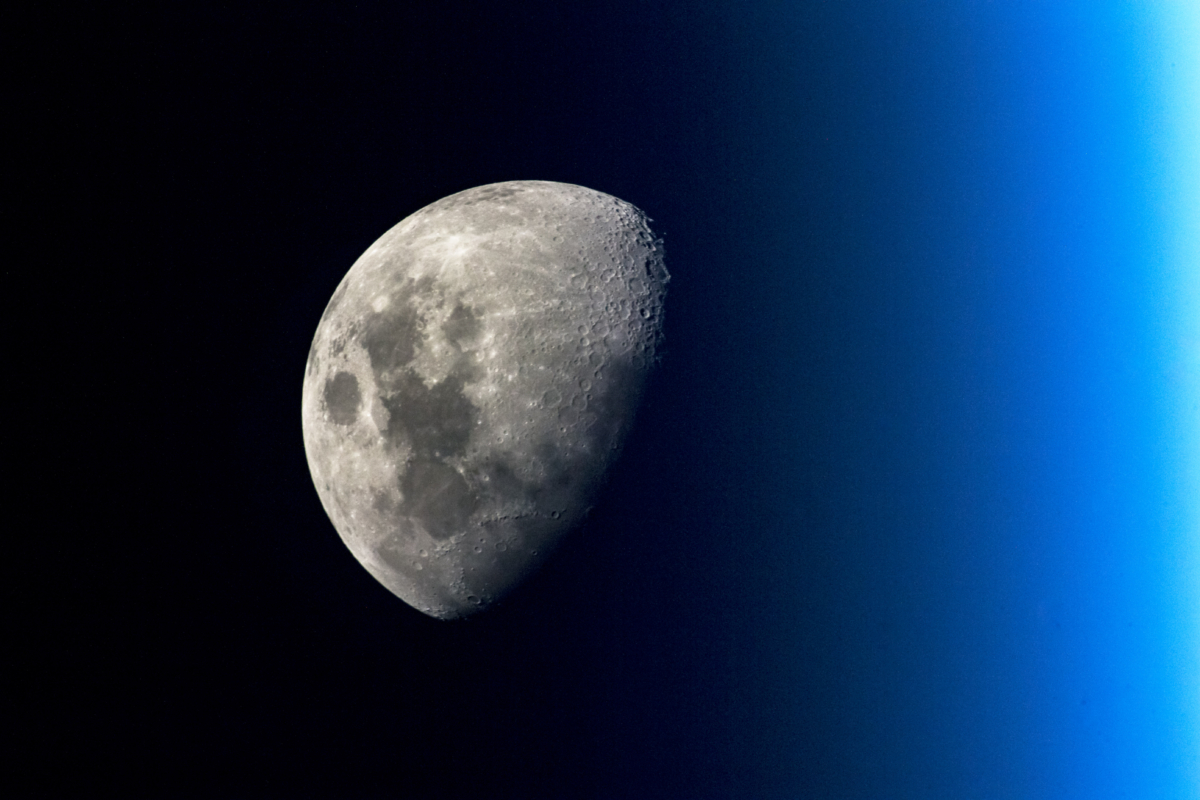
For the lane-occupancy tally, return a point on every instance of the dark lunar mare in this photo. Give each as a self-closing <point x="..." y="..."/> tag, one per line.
<point x="435" y="422"/>
<point x="342" y="398"/>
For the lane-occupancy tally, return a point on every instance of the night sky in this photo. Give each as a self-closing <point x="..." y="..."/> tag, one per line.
<point x="910" y="510"/>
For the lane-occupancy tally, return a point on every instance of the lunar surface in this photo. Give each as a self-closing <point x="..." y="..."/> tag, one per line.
<point x="472" y="380"/>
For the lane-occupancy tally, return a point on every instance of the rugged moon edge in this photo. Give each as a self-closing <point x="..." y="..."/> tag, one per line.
<point x="473" y="379"/>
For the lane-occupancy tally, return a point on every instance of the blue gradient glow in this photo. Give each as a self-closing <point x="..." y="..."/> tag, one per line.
<point x="1012" y="194"/>
<point x="1174" y="56"/>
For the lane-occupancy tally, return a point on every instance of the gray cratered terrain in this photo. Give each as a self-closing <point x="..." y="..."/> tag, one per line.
<point x="472" y="380"/>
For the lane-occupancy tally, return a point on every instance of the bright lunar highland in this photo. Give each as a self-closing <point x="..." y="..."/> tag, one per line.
<point x="473" y="379"/>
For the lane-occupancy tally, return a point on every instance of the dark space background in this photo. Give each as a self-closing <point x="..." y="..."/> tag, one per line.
<point x="891" y="523"/>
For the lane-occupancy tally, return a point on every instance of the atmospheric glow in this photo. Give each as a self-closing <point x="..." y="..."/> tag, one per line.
<point x="1178" y="195"/>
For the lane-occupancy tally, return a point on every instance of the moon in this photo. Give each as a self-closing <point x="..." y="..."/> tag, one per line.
<point x="474" y="378"/>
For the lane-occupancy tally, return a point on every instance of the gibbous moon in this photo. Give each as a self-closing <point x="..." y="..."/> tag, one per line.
<point x="473" y="379"/>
